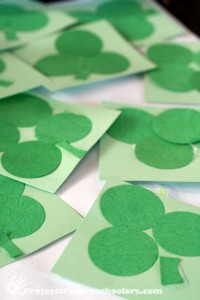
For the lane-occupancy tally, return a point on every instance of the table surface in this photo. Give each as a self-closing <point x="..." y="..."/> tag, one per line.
<point x="80" y="192"/>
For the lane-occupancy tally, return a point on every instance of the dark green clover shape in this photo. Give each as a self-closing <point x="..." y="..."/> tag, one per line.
<point x="14" y="19"/>
<point x="129" y="18"/>
<point x="4" y="83"/>
<point x="80" y="54"/>
<point x="174" y="72"/>
<point x="20" y="215"/>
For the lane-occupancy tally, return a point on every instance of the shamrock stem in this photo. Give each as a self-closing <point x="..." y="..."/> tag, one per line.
<point x="5" y="83"/>
<point x="169" y="270"/>
<point x="10" y="34"/>
<point x="73" y="150"/>
<point x="82" y="74"/>
<point x="7" y="244"/>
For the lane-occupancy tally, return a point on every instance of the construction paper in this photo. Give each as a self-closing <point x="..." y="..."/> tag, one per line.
<point x="30" y="219"/>
<point x="140" y="22"/>
<point x="104" y="270"/>
<point x="166" y="161"/>
<point x="16" y="76"/>
<point x="177" y="78"/>
<point x="103" y="55"/>
<point x="45" y="148"/>
<point x="161" y="154"/>
<point x="22" y="22"/>
<point x="178" y="125"/>
<point x="169" y="270"/>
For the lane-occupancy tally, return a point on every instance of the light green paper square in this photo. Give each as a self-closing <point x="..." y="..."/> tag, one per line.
<point x="112" y="41"/>
<point x="22" y="76"/>
<point x="60" y="220"/>
<point x="101" y="120"/>
<point x="57" y="20"/>
<point x="76" y="265"/>
<point x="154" y="93"/>
<point x="118" y="159"/>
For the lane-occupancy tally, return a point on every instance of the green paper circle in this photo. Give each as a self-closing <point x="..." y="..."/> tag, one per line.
<point x="29" y="21"/>
<point x="89" y="43"/>
<point x="132" y="125"/>
<point x="160" y="154"/>
<point x="66" y="126"/>
<point x="119" y="9"/>
<point x="131" y="206"/>
<point x="197" y="58"/>
<point x="10" y="188"/>
<point x="107" y="63"/>
<point x="122" y="252"/>
<point x="10" y="9"/>
<point x="195" y="81"/>
<point x="9" y="136"/>
<point x="179" y="233"/>
<point x="31" y="159"/>
<point x="24" y="110"/>
<point x="173" y="77"/>
<point x="178" y="125"/>
<point x="21" y="217"/>
<point x="169" y="54"/>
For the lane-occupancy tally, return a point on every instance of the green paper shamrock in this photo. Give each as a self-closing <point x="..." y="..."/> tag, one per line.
<point x="174" y="72"/>
<point x="129" y="18"/>
<point x="20" y="215"/>
<point x="80" y="54"/>
<point x="4" y="83"/>
<point x="14" y="19"/>
<point x="124" y="249"/>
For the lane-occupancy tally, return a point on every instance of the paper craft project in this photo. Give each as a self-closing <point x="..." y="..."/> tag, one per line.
<point x="23" y="21"/>
<point x="31" y="219"/>
<point x="177" y="79"/>
<point x="140" y="22"/>
<point x="42" y="141"/>
<point x="133" y="239"/>
<point x="152" y="144"/>
<point x="83" y="55"/>
<point x="16" y="76"/>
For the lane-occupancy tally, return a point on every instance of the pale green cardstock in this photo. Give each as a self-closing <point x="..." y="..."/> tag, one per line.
<point x="118" y="159"/>
<point x="75" y="263"/>
<point x="17" y="34"/>
<point x="16" y="76"/>
<point x="101" y="120"/>
<point x="157" y="94"/>
<point x="163" y="26"/>
<point x="60" y="220"/>
<point x="112" y="42"/>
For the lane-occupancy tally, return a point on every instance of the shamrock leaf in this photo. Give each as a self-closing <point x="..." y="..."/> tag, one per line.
<point x="83" y="60"/>
<point x="14" y="19"/>
<point x="20" y="215"/>
<point x="3" y="82"/>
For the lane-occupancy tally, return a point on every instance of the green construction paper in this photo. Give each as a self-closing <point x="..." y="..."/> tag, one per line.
<point x="118" y="159"/>
<point x="179" y="233"/>
<point x="132" y="126"/>
<point x="103" y="55"/>
<point x="22" y="22"/>
<point x="65" y="126"/>
<point x="9" y="135"/>
<point x="157" y="153"/>
<point x="178" y="125"/>
<point x="24" y="110"/>
<point x="141" y="22"/>
<point x="34" y="166"/>
<point x="121" y="252"/>
<point x="16" y="76"/>
<point x="131" y="207"/>
<point x="176" y="80"/>
<point x="169" y="270"/>
<point x="33" y="218"/>
<point x="76" y="258"/>
<point x="31" y="159"/>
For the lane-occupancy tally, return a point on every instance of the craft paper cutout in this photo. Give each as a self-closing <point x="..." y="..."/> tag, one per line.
<point x="107" y="251"/>
<point x="2" y="68"/>
<point x="178" y="73"/>
<point x="42" y="141"/>
<point x="21" y="22"/>
<point x="26" y="217"/>
<point x="166" y="140"/>
<point x="103" y="54"/>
